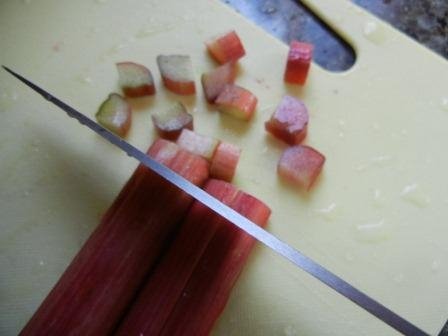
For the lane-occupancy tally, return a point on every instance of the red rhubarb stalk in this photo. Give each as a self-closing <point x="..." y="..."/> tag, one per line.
<point x="170" y="122"/>
<point x="236" y="101"/>
<point x="300" y="165"/>
<point x="289" y="122"/>
<point x="198" y="144"/>
<point x="298" y="63"/>
<point x="226" y="47"/>
<point x="163" y="289"/>
<point x="224" y="161"/>
<point x="208" y="289"/>
<point x="98" y="286"/>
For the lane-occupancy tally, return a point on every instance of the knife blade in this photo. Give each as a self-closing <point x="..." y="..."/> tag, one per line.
<point x="280" y="247"/>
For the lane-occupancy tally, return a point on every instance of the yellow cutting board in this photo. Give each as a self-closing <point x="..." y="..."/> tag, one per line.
<point x="378" y="215"/>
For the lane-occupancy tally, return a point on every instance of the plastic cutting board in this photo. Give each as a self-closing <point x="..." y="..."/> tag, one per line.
<point x="378" y="216"/>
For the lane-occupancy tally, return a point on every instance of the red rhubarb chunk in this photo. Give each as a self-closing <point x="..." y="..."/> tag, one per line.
<point x="161" y="292"/>
<point x="115" y="114"/>
<point x="209" y="287"/>
<point x="298" y="63"/>
<point x="214" y="81"/>
<point x="301" y="165"/>
<point x="224" y="161"/>
<point x="177" y="73"/>
<point x="99" y="285"/>
<point x="169" y="123"/>
<point x="237" y="101"/>
<point x="135" y="79"/>
<point x="198" y="144"/>
<point x="289" y="121"/>
<point x="226" y="47"/>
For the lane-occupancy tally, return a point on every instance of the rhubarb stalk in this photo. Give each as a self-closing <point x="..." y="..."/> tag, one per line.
<point x="209" y="287"/>
<point x="98" y="286"/>
<point x="155" y="302"/>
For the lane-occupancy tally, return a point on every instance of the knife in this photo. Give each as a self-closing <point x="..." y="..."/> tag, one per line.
<point x="280" y="247"/>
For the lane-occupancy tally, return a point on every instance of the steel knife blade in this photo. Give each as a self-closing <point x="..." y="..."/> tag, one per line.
<point x="280" y="247"/>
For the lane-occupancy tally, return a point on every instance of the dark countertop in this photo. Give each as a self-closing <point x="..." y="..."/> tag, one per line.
<point x="424" y="20"/>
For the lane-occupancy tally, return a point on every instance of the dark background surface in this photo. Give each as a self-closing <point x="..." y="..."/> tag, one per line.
<point x="424" y="20"/>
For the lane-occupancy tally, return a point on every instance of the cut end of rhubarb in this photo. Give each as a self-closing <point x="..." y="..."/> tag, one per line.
<point x="177" y="73"/>
<point x="289" y="122"/>
<point x="163" y="151"/>
<point x="115" y="114"/>
<point x="214" y="81"/>
<point x="198" y="144"/>
<point x="135" y="79"/>
<point x="171" y="122"/>
<point x="225" y="161"/>
<point x="253" y="209"/>
<point x="237" y="101"/>
<point x="301" y="165"/>
<point x="299" y="60"/>
<point x="226" y="47"/>
<point x="182" y="161"/>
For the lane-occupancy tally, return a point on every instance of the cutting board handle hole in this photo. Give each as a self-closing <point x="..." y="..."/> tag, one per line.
<point x="292" y="20"/>
<point x="331" y="51"/>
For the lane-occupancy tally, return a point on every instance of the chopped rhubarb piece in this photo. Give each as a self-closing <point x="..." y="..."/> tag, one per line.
<point x="171" y="122"/>
<point x="97" y="288"/>
<point x="177" y="73"/>
<point x="214" y="81"/>
<point x="198" y="144"/>
<point x="298" y="63"/>
<point x="115" y="114"/>
<point x="224" y="161"/>
<point x="208" y="289"/>
<point x="161" y="292"/>
<point x="135" y="79"/>
<point x="226" y="47"/>
<point x="236" y="101"/>
<point x="301" y="165"/>
<point x="289" y="121"/>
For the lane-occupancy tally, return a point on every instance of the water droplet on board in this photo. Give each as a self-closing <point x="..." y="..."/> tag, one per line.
<point x="26" y="2"/>
<point x="341" y="124"/>
<point x="378" y="198"/>
<point x="380" y="160"/>
<point x="376" y="126"/>
<point x="84" y="79"/>
<point x="413" y="194"/>
<point x="349" y="257"/>
<point x="373" y="32"/>
<point x="329" y="212"/>
<point x="116" y="48"/>
<point x="372" y="232"/>
<point x="26" y="193"/>
<point x="398" y="278"/>
<point x="100" y="1"/>
<point x="444" y="104"/>
<point x="289" y="331"/>
<point x="130" y="39"/>
<point x="95" y="30"/>
<point x="435" y="265"/>
<point x="377" y="161"/>
<point x="144" y="32"/>
<point x="370" y="27"/>
<point x="41" y="263"/>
